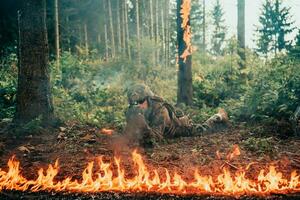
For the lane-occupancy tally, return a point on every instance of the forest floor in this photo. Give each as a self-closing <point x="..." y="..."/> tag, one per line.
<point x="75" y="145"/>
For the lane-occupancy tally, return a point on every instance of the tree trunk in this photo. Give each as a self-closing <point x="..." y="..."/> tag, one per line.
<point x="127" y="31"/>
<point x="185" y="89"/>
<point x="34" y="93"/>
<point x="106" y="38"/>
<point x="123" y="27"/>
<point x="241" y="33"/>
<point x="156" y="32"/>
<point x="167" y="32"/>
<point x="138" y="31"/>
<point x="57" y="50"/>
<point x="152" y="29"/>
<point x="68" y="32"/>
<point x="113" y="48"/>
<point x="204" y="27"/>
<point x="86" y="41"/>
<point x="118" y="26"/>
<point x="162" y="33"/>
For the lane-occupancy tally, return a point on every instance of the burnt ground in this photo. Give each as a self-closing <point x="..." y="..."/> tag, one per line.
<point x="75" y="145"/>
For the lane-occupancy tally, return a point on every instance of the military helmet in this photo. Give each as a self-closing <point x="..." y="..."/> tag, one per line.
<point x="138" y="93"/>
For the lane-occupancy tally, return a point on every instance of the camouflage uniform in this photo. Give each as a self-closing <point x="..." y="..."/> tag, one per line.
<point x="160" y="120"/>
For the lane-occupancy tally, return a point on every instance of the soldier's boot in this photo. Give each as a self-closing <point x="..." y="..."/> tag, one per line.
<point x="223" y="115"/>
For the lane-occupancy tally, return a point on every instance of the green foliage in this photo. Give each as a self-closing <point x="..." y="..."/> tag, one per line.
<point x="259" y="145"/>
<point x="275" y="91"/>
<point x="275" y="24"/>
<point x="219" y="30"/>
<point x="8" y="85"/>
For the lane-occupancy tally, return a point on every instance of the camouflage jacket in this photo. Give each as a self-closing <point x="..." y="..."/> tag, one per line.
<point x="161" y="120"/>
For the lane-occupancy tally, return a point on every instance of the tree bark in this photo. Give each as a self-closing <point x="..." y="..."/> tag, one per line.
<point x="123" y="27"/>
<point x="241" y="33"/>
<point x="167" y="32"/>
<point x="127" y="31"/>
<point x="156" y="32"/>
<point x="152" y="29"/>
<point x="57" y="49"/>
<point x="163" y="43"/>
<point x="86" y="41"/>
<point x="138" y="31"/>
<point x="118" y="26"/>
<point x="113" y="48"/>
<point x="33" y="94"/>
<point x="185" y="89"/>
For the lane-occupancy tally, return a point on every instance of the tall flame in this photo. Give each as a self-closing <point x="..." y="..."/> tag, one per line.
<point x="187" y="34"/>
<point x="106" y="179"/>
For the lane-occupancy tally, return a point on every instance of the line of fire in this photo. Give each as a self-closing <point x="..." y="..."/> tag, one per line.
<point x="149" y="99"/>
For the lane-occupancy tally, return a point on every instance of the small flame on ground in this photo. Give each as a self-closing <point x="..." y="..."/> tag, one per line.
<point x="235" y="152"/>
<point x="106" y="131"/>
<point x="107" y="179"/>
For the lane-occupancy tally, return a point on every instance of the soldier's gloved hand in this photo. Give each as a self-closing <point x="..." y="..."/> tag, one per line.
<point x="132" y="112"/>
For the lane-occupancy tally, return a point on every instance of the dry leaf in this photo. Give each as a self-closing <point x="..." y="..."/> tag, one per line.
<point x="88" y="137"/>
<point x="24" y="149"/>
<point x="62" y="129"/>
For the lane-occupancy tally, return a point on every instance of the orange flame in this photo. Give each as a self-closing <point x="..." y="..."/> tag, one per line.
<point x="235" y="152"/>
<point x="106" y="131"/>
<point x="187" y="35"/>
<point x="148" y="180"/>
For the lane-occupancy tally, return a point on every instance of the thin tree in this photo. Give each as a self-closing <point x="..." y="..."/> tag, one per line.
<point x="118" y="26"/>
<point x="105" y="31"/>
<point x="33" y="94"/>
<point x="127" y="30"/>
<point x="151" y="29"/>
<point x="219" y="30"/>
<point x="113" y="47"/>
<point x="138" y="31"/>
<point x="156" y="35"/>
<point x="86" y="41"/>
<point x="241" y="33"/>
<point x="163" y="42"/>
<point x="275" y="25"/>
<point x="204" y="26"/>
<point x="185" y="90"/>
<point x="167" y="32"/>
<point x="56" y="22"/>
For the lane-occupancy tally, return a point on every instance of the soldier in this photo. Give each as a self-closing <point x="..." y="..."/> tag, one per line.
<point x="150" y="119"/>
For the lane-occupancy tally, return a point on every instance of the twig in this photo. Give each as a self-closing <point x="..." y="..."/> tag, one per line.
<point x="231" y="165"/>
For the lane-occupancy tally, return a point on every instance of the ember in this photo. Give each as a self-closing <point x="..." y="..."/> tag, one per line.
<point x="106" y="131"/>
<point x="145" y="180"/>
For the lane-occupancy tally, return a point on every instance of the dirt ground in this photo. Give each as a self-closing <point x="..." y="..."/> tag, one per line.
<point x="75" y="145"/>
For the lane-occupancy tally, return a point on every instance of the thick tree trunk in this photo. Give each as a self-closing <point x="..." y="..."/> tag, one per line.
<point x="57" y="49"/>
<point x="113" y="47"/>
<point x="241" y="33"/>
<point x="138" y="31"/>
<point x="127" y="31"/>
<point x="185" y="89"/>
<point x="34" y="93"/>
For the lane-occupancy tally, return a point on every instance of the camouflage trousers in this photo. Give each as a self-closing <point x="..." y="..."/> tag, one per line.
<point x="186" y="128"/>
